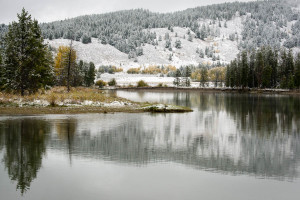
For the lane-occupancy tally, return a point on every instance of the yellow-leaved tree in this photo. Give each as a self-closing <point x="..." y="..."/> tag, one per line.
<point x="65" y="68"/>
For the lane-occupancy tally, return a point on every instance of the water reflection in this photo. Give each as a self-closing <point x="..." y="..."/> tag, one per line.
<point x="140" y="142"/>
<point x="233" y="134"/>
<point x="24" y="141"/>
<point x="65" y="130"/>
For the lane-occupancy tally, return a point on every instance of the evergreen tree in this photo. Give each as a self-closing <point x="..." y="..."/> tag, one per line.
<point x="251" y="75"/>
<point x="267" y="76"/>
<point x="176" y="81"/>
<point x="286" y="69"/>
<point x="1" y="72"/>
<point x="245" y="69"/>
<point x="168" y="44"/>
<point x="201" y="54"/>
<point x="170" y="57"/>
<point x="90" y="75"/>
<point x="28" y="63"/>
<point x="259" y="66"/>
<point x="188" y="73"/>
<point x="236" y="78"/>
<point x="297" y="71"/>
<point x="103" y="40"/>
<point x="86" y="39"/>
<point x="178" y="44"/>
<point x="273" y="63"/>
<point x="190" y="38"/>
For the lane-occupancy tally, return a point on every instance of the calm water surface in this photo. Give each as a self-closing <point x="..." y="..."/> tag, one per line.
<point x="231" y="147"/>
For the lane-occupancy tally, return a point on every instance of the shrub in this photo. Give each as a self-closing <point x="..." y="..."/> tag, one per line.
<point x="86" y="39"/>
<point x="101" y="83"/>
<point x="112" y="82"/>
<point x="133" y="71"/>
<point x="142" y="83"/>
<point x="52" y="99"/>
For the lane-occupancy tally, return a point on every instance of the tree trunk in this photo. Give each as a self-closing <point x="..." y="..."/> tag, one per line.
<point x="69" y="66"/>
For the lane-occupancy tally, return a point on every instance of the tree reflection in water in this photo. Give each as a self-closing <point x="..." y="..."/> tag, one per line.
<point x="24" y="142"/>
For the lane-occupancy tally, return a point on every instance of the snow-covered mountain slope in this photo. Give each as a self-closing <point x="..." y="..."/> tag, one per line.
<point x="102" y="54"/>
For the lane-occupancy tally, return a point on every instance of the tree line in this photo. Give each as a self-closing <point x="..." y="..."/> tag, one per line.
<point x="27" y="64"/>
<point x="264" y="68"/>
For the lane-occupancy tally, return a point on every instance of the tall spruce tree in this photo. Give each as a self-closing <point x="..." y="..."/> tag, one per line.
<point x="177" y="79"/>
<point x="259" y="66"/>
<point x="1" y="71"/>
<point x="89" y="76"/>
<point x="251" y="75"/>
<point x="245" y="69"/>
<point x="28" y="63"/>
<point x="273" y="62"/>
<point x="297" y="71"/>
<point x="188" y="73"/>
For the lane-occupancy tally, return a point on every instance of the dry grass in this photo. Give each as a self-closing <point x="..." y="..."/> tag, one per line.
<point x="60" y="94"/>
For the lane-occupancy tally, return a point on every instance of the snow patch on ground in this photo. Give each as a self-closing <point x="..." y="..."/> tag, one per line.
<point x="68" y="102"/>
<point x="124" y="79"/>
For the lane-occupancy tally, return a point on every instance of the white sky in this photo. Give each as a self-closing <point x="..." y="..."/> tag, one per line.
<point x="50" y="10"/>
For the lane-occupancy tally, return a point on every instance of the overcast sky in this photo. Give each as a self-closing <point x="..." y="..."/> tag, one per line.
<point x="51" y="10"/>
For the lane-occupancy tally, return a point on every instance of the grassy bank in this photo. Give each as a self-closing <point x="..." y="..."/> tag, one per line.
<point x="78" y="100"/>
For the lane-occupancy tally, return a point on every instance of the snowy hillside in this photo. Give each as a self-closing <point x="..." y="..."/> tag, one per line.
<point x="106" y="54"/>
<point x="203" y="35"/>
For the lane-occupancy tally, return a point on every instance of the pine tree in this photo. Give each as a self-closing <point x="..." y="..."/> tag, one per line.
<point x="90" y="75"/>
<point x="28" y="63"/>
<point x="178" y="44"/>
<point x="273" y="62"/>
<point x="176" y="81"/>
<point x="267" y="76"/>
<point x="1" y="72"/>
<point x="251" y="75"/>
<point x="188" y="73"/>
<point x="190" y="38"/>
<point x="103" y="40"/>
<point x="86" y="39"/>
<point x="201" y="54"/>
<point x="168" y="44"/>
<point x="245" y="69"/>
<point x="259" y="67"/>
<point x="204" y="76"/>
<point x="297" y="71"/>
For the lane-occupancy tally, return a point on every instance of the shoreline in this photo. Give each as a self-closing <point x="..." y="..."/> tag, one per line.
<point x="78" y="100"/>
<point x="11" y="110"/>
<point x="129" y="106"/>
<point x="36" y="110"/>
<point x="225" y="90"/>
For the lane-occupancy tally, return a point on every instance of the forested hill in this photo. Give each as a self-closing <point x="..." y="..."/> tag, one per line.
<point x="272" y="23"/>
<point x="266" y="24"/>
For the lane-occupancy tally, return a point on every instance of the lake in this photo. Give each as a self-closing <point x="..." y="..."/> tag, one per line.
<point x="233" y="146"/>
